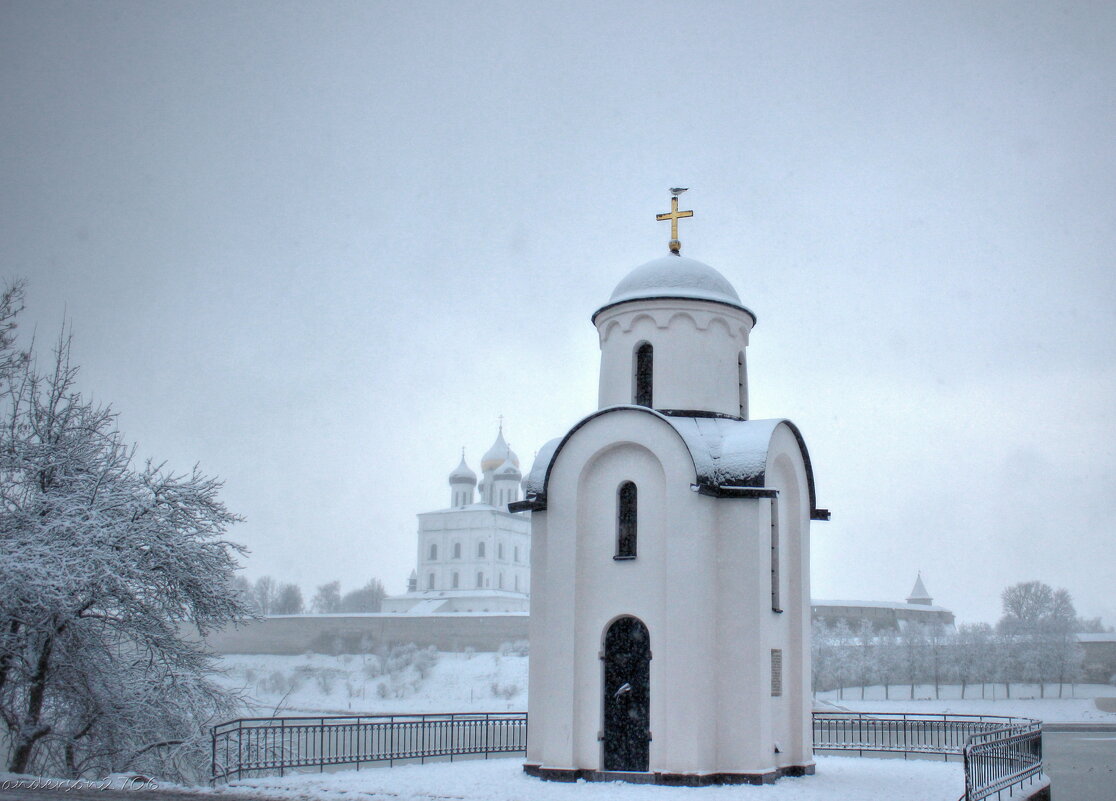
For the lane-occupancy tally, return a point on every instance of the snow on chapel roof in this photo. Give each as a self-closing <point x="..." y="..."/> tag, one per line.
<point x="675" y="277"/>
<point x="727" y="453"/>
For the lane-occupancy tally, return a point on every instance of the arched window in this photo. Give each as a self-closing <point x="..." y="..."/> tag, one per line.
<point x="644" y="372"/>
<point x="480" y="580"/>
<point x="457" y="550"/>
<point x="480" y="549"/>
<point x="500" y="550"/>
<point x="515" y="553"/>
<point x="742" y="383"/>
<point x="455" y="581"/>
<point x="626" y="521"/>
<point x="433" y="551"/>
<point x="430" y="581"/>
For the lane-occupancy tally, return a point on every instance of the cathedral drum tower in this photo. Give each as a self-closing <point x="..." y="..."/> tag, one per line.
<point x="670" y="608"/>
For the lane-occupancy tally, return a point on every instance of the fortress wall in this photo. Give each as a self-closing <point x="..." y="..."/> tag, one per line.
<point x="297" y="634"/>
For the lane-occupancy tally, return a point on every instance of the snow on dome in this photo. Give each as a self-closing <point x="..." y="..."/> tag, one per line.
<point x="508" y="469"/>
<point x="462" y="474"/>
<point x="498" y="454"/>
<point x="674" y="277"/>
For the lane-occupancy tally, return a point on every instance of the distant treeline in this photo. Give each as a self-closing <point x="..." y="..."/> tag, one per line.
<point x="270" y="597"/>
<point x="1035" y="642"/>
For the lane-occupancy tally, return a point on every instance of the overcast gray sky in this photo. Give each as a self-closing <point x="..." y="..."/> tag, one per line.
<point x="319" y="247"/>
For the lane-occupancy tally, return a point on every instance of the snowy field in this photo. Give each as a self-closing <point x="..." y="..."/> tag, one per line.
<point x="1079" y="704"/>
<point x="413" y="680"/>
<point x="403" y="681"/>
<point x="837" y="779"/>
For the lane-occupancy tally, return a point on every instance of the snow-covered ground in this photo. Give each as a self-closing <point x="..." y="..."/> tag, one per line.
<point x="837" y="779"/>
<point x="1077" y="706"/>
<point x="405" y="682"/>
<point x="422" y="681"/>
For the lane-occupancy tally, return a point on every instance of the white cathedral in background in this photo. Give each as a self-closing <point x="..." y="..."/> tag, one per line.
<point x="473" y="556"/>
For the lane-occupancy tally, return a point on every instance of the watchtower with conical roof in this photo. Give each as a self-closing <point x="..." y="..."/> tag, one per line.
<point x="919" y="595"/>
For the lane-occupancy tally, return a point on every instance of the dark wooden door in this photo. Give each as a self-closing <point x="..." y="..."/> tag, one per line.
<point x="627" y="695"/>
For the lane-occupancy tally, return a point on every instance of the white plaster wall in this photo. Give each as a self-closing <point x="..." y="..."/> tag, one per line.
<point x="469" y="526"/>
<point x="786" y="471"/>
<point x="585" y="589"/>
<point x="543" y="744"/>
<point x="701" y="583"/>
<point x="696" y="346"/>
<point x="742" y="722"/>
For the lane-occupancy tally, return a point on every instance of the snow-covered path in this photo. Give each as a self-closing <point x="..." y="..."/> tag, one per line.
<point x="837" y="779"/>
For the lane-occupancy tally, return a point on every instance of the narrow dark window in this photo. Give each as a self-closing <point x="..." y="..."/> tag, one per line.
<point x="480" y="580"/>
<point x="626" y="521"/>
<point x="499" y="550"/>
<point x="644" y="373"/>
<point x="776" y="605"/>
<point x="457" y="550"/>
<point x="430" y="582"/>
<point x="433" y="551"/>
<point x="480" y="549"/>
<point x="776" y="672"/>
<point x="516" y="553"/>
<point x="742" y="383"/>
<point x="455" y="581"/>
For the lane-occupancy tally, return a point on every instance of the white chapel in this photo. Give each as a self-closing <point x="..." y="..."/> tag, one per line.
<point x="670" y="610"/>
<point x="474" y="556"/>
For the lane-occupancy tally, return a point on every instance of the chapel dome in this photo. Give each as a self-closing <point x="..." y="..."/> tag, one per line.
<point x="498" y="454"/>
<point x="674" y="277"/>
<point x="462" y="474"/>
<point x="509" y="469"/>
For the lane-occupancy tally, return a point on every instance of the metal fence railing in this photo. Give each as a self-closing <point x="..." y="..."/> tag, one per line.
<point x="1000" y="759"/>
<point x="254" y="746"/>
<point x="999" y="753"/>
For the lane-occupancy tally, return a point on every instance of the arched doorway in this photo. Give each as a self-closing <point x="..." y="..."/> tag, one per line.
<point x="627" y="695"/>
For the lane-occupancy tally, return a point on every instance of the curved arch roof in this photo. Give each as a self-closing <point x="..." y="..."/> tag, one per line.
<point x="729" y="454"/>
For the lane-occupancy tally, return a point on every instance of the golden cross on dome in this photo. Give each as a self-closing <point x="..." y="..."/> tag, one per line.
<point x="674" y="215"/>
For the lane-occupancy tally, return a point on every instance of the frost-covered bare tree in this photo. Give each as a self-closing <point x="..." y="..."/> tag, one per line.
<point x="327" y="599"/>
<point x="104" y="562"/>
<point x="1038" y="628"/>
<point x="368" y="598"/>
<point x="288" y="601"/>
<point x="266" y="590"/>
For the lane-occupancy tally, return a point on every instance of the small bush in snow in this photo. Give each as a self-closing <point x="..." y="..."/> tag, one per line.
<point x="505" y="691"/>
<point x="517" y="648"/>
<point x="372" y="668"/>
